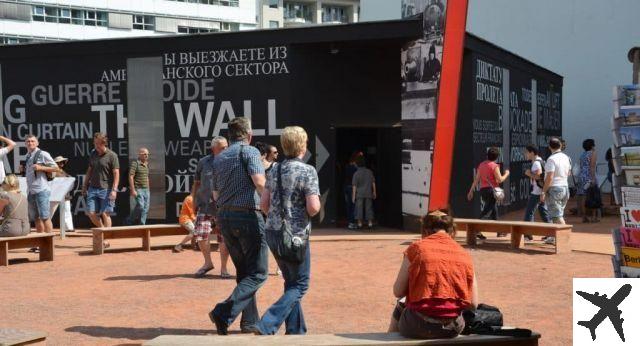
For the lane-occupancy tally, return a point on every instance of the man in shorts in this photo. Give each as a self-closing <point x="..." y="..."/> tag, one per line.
<point x="555" y="192"/>
<point x="206" y="210"/>
<point x="38" y="164"/>
<point x="100" y="185"/>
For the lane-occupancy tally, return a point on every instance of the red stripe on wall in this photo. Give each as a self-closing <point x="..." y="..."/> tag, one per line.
<point x="455" y="27"/>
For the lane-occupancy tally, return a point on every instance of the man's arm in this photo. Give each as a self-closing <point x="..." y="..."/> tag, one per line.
<point x="116" y="181"/>
<point x="48" y="166"/>
<point x="132" y="174"/>
<point x="259" y="181"/>
<point x="548" y="179"/>
<point x="85" y="183"/>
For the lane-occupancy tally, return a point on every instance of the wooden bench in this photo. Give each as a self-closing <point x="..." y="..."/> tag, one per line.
<point x="145" y="232"/>
<point x="20" y="337"/>
<point x="517" y="229"/>
<point x="339" y="339"/>
<point x="42" y="240"/>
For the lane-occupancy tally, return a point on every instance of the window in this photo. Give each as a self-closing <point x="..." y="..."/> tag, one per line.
<point x="297" y="12"/>
<point x="14" y="40"/>
<point x="143" y="22"/>
<point x="229" y="26"/>
<point x="273" y="3"/>
<point x="230" y="3"/>
<point x="274" y="24"/>
<point x="334" y="14"/>
<point x="65" y="15"/>
<point x="191" y="30"/>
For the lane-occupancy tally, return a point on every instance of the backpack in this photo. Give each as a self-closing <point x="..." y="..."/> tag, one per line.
<point x="36" y="156"/>
<point x="540" y="180"/>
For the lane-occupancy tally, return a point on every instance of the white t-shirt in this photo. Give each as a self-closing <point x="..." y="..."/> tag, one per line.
<point x="559" y="165"/>
<point x="3" y="153"/>
<point x="536" y="167"/>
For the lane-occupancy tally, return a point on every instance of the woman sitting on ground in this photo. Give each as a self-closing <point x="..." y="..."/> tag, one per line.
<point x="14" y="209"/>
<point x="437" y="282"/>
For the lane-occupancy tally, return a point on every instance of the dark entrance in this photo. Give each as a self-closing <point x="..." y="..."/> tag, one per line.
<point x="382" y="150"/>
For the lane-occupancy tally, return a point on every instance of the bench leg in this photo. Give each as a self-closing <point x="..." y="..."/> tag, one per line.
<point x="98" y="243"/>
<point x="146" y="240"/>
<point x="471" y="236"/>
<point x="516" y="238"/>
<point x="4" y="254"/>
<point x="46" y="249"/>
<point x="563" y="242"/>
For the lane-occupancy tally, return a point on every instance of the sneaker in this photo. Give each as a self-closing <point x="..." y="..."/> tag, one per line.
<point x="481" y="236"/>
<point x="177" y="248"/>
<point x="528" y="237"/>
<point x="221" y="326"/>
<point x="550" y="240"/>
<point x="352" y="226"/>
<point x="501" y="235"/>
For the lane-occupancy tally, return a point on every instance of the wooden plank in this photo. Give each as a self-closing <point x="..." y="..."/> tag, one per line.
<point x="471" y="236"/>
<point x="98" y="242"/>
<point x="146" y="240"/>
<point x="4" y="254"/>
<point x="20" y="337"/>
<point x="337" y="339"/>
<point x="46" y="249"/>
<point x="139" y="232"/>
<point x="28" y="236"/>
<point x="142" y="227"/>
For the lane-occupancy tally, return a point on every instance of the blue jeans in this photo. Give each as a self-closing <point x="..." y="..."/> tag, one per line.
<point x="39" y="205"/>
<point x="243" y="233"/>
<point x="288" y="308"/>
<point x="140" y="208"/>
<point x="532" y="204"/>
<point x="349" y="203"/>
<point x="98" y="201"/>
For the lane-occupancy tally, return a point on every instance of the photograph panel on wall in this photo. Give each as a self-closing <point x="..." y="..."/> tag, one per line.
<point x="630" y="157"/>
<point x="625" y="97"/>
<point x="632" y="177"/>
<point x="629" y="136"/>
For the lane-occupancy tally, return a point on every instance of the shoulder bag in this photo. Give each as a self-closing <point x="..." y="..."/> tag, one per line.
<point x="284" y="244"/>
<point x="36" y="156"/>
<point x="498" y="192"/>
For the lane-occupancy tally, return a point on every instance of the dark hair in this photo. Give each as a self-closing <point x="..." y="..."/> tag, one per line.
<point x="555" y="143"/>
<point x="532" y="149"/>
<point x="360" y="161"/>
<point x="239" y="128"/>
<point x="436" y="220"/>
<point x="493" y="153"/>
<point x="588" y="144"/>
<point x="262" y="147"/>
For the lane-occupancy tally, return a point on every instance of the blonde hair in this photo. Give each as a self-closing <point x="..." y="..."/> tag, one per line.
<point x="293" y="140"/>
<point x="11" y="183"/>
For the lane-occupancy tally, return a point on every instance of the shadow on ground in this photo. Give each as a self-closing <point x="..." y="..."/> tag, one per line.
<point x="136" y="333"/>
<point x="145" y="278"/>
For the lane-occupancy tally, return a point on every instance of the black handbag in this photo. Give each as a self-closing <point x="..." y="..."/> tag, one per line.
<point x="488" y="320"/>
<point x="284" y="244"/>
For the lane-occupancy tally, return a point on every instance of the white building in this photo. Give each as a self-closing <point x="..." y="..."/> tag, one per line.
<point x="44" y="20"/>
<point x="288" y="13"/>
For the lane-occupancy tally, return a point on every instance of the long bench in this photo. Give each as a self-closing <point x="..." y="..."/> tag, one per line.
<point x="338" y="339"/>
<point x="517" y="229"/>
<point x="44" y="241"/>
<point x="12" y="337"/>
<point x="145" y="232"/>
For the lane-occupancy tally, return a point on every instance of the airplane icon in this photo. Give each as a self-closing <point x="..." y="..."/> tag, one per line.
<point x="608" y="309"/>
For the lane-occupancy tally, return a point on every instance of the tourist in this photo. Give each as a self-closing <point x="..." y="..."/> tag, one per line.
<point x="350" y="169"/>
<point x="14" y="209"/>
<point x="238" y="181"/>
<point x="100" y="185"/>
<point x="38" y="164"/>
<point x="586" y="180"/>
<point x="8" y="146"/>
<point x="61" y="173"/>
<point x="206" y="210"/>
<point x="555" y="192"/>
<point x="187" y="220"/>
<point x="268" y="155"/>
<point x="296" y="184"/>
<point x="139" y="188"/>
<point x="488" y="177"/>
<point x="363" y="192"/>
<point x="437" y="281"/>
<point x="536" y="179"/>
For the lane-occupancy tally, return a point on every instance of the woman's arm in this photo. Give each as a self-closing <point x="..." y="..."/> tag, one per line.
<point x="474" y="294"/>
<point x="500" y="177"/>
<point x="476" y="179"/>
<point x="3" y="203"/>
<point x="401" y="285"/>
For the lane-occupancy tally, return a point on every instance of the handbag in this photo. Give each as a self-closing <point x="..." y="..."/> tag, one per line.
<point x="498" y="192"/>
<point x="284" y="244"/>
<point x="488" y="320"/>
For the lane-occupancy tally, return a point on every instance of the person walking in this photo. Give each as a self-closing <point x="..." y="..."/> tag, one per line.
<point x="238" y="180"/>
<point x="536" y="179"/>
<point x="555" y="192"/>
<point x="100" y="185"/>
<point x="350" y="169"/>
<point x="587" y="179"/>
<point x="292" y="193"/>
<point x="139" y="188"/>
<point x="206" y="210"/>
<point x="488" y="177"/>
<point x="38" y="164"/>
<point x="363" y="192"/>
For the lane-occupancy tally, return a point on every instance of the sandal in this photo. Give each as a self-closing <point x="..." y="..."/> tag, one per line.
<point x="225" y="276"/>
<point x="177" y="249"/>
<point x="202" y="272"/>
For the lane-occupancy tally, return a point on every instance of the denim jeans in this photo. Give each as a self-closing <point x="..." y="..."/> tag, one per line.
<point x="288" y="308"/>
<point x="140" y="208"/>
<point x="532" y="204"/>
<point x="243" y="233"/>
<point x="349" y="203"/>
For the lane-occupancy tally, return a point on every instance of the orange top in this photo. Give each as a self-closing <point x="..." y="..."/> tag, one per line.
<point x="187" y="213"/>
<point x="439" y="269"/>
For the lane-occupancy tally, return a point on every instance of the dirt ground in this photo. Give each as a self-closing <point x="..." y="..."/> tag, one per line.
<point x="130" y="297"/>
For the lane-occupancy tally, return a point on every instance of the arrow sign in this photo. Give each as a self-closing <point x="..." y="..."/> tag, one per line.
<point x="322" y="154"/>
<point x="323" y="201"/>
<point x="307" y="156"/>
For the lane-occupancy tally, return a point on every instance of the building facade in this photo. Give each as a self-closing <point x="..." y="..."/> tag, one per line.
<point x="58" y="20"/>
<point x="291" y="13"/>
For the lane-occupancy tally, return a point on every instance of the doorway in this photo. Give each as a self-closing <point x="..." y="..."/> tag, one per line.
<point x="382" y="150"/>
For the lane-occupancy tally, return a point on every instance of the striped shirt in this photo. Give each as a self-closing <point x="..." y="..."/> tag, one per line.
<point x="140" y="173"/>
<point x="232" y="176"/>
